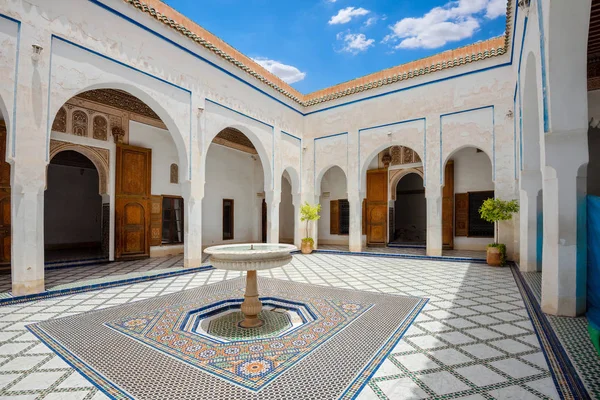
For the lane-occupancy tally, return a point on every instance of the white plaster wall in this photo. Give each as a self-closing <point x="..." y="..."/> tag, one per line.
<point x="73" y="206"/>
<point x="164" y="153"/>
<point x="286" y="213"/>
<point x="334" y="182"/>
<point x="472" y="173"/>
<point x="8" y="68"/>
<point x="233" y="175"/>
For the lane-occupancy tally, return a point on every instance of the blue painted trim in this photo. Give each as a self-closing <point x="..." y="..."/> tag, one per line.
<point x="290" y="135"/>
<point x="120" y="63"/>
<point x="315" y="156"/>
<point x="239" y="113"/>
<point x="97" y="286"/>
<point x="123" y="65"/>
<point x="188" y="51"/>
<point x="493" y="138"/>
<point x="518" y="90"/>
<point x="393" y="339"/>
<point x="515" y="128"/>
<point x="272" y="161"/>
<point x="36" y="332"/>
<point x="392" y="124"/>
<point x="543" y="63"/>
<point x="407" y="256"/>
<point x="412" y="87"/>
<point x="13" y="123"/>
<point x="49" y="118"/>
<point x="299" y="172"/>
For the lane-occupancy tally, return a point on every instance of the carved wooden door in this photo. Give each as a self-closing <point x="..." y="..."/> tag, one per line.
<point x="448" y="207"/>
<point x="133" y="202"/>
<point x="5" y="217"/>
<point x="377" y="207"/>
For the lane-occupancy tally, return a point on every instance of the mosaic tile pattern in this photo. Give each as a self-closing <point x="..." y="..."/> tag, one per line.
<point x="574" y="337"/>
<point x="458" y="293"/>
<point x="154" y="333"/>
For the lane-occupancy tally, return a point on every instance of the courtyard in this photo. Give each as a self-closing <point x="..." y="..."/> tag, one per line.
<point x="473" y="339"/>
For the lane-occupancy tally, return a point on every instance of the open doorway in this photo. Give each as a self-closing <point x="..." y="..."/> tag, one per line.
<point x="73" y="209"/>
<point x="410" y="212"/>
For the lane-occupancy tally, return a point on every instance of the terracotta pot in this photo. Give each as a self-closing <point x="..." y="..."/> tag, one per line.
<point x="493" y="256"/>
<point x="306" y="248"/>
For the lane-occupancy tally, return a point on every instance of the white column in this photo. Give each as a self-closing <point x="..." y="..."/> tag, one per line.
<point x="563" y="271"/>
<point x="298" y="225"/>
<point x="433" y="196"/>
<point x="355" y="234"/>
<point x="28" y="174"/>
<point x="27" y="206"/>
<point x="531" y="184"/>
<point x="193" y="194"/>
<point x="273" y="199"/>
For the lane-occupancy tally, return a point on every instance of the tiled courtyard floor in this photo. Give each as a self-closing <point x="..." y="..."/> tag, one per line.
<point x="473" y="339"/>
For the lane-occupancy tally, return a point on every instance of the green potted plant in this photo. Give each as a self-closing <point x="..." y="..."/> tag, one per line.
<point x="495" y="210"/>
<point x="309" y="213"/>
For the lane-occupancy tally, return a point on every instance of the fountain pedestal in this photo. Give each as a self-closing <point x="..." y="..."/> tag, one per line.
<point x="250" y="258"/>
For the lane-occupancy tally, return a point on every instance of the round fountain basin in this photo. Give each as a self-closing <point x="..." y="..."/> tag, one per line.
<point x="250" y="257"/>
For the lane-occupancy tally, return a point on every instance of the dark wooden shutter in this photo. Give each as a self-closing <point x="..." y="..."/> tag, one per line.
<point x="334" y="217"/>
<point x="448" y="207"/>
<point x="344" y="211"/>
<point x="364" y="217"/>
<point x="461" y="214"/>
<point x="156" y="221"/>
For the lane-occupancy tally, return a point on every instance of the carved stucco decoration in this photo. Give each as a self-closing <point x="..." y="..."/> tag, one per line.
<point x="174" y="173"/>
<point x="401" y="155"/>
<point x="118" y="134"/>
<point x="397" y="174"/>
<point x="119" y="99"/>
<point x="79" y="123"/>
<point x="99" y="157"/>
<point x="60" y="122"/>
<point x="100" y="128"/>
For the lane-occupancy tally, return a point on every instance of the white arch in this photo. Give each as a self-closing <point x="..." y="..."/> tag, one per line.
<point x="144" y="96"/>
<point x="323" y="172"/>
<point x="5" y="116"/>
<point x="295" y="179"/>
<point x="459" y="148"/>
<point x="265" y="160"/>
<point x="365" y="163"/>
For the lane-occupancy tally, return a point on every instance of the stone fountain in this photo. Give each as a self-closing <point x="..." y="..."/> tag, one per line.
<point x="250" y="258"/>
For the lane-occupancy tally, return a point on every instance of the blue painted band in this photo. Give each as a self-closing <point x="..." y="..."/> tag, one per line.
<point x="290" y="135"/>
<point x="120" y="63"/>
<point x="330" y="136"/>
<point x="391" y="124"/>
<point x="493" y="160"/>
<point x="193" y="54"/>
<point x="239" y="113"/>
<point x="543" y="63"/>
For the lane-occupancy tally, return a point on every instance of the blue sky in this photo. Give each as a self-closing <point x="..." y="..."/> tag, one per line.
<point x="313" y="44"/>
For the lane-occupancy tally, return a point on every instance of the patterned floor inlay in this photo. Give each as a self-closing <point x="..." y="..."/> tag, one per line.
<point x="574" y="338"/>
<point x="476" y="320"/>
<point x="313" y="361"/>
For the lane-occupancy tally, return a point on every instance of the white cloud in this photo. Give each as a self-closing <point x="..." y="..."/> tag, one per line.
<point x="495" y="8"/>
<point x="456" y="20"/>
<point x="370" y="21"/>
<point x="345" y="15"/>
<point x="355" y="43"/>
<point x="287" y="73"/>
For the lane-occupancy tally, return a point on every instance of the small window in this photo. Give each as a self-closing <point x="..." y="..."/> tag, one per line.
<point x="344" y="217"/>
<point x="227" y="219"/>
<point x="477" y="226"/>
<point x="172" y="220"/>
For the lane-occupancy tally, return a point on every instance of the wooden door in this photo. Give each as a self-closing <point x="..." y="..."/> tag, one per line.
<point x="377" y="207"/>
<point x="448" y="207"/>
<point x="133" y="202"/>
<point x="5" y="217"/>
<point x="264" y="221"/>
